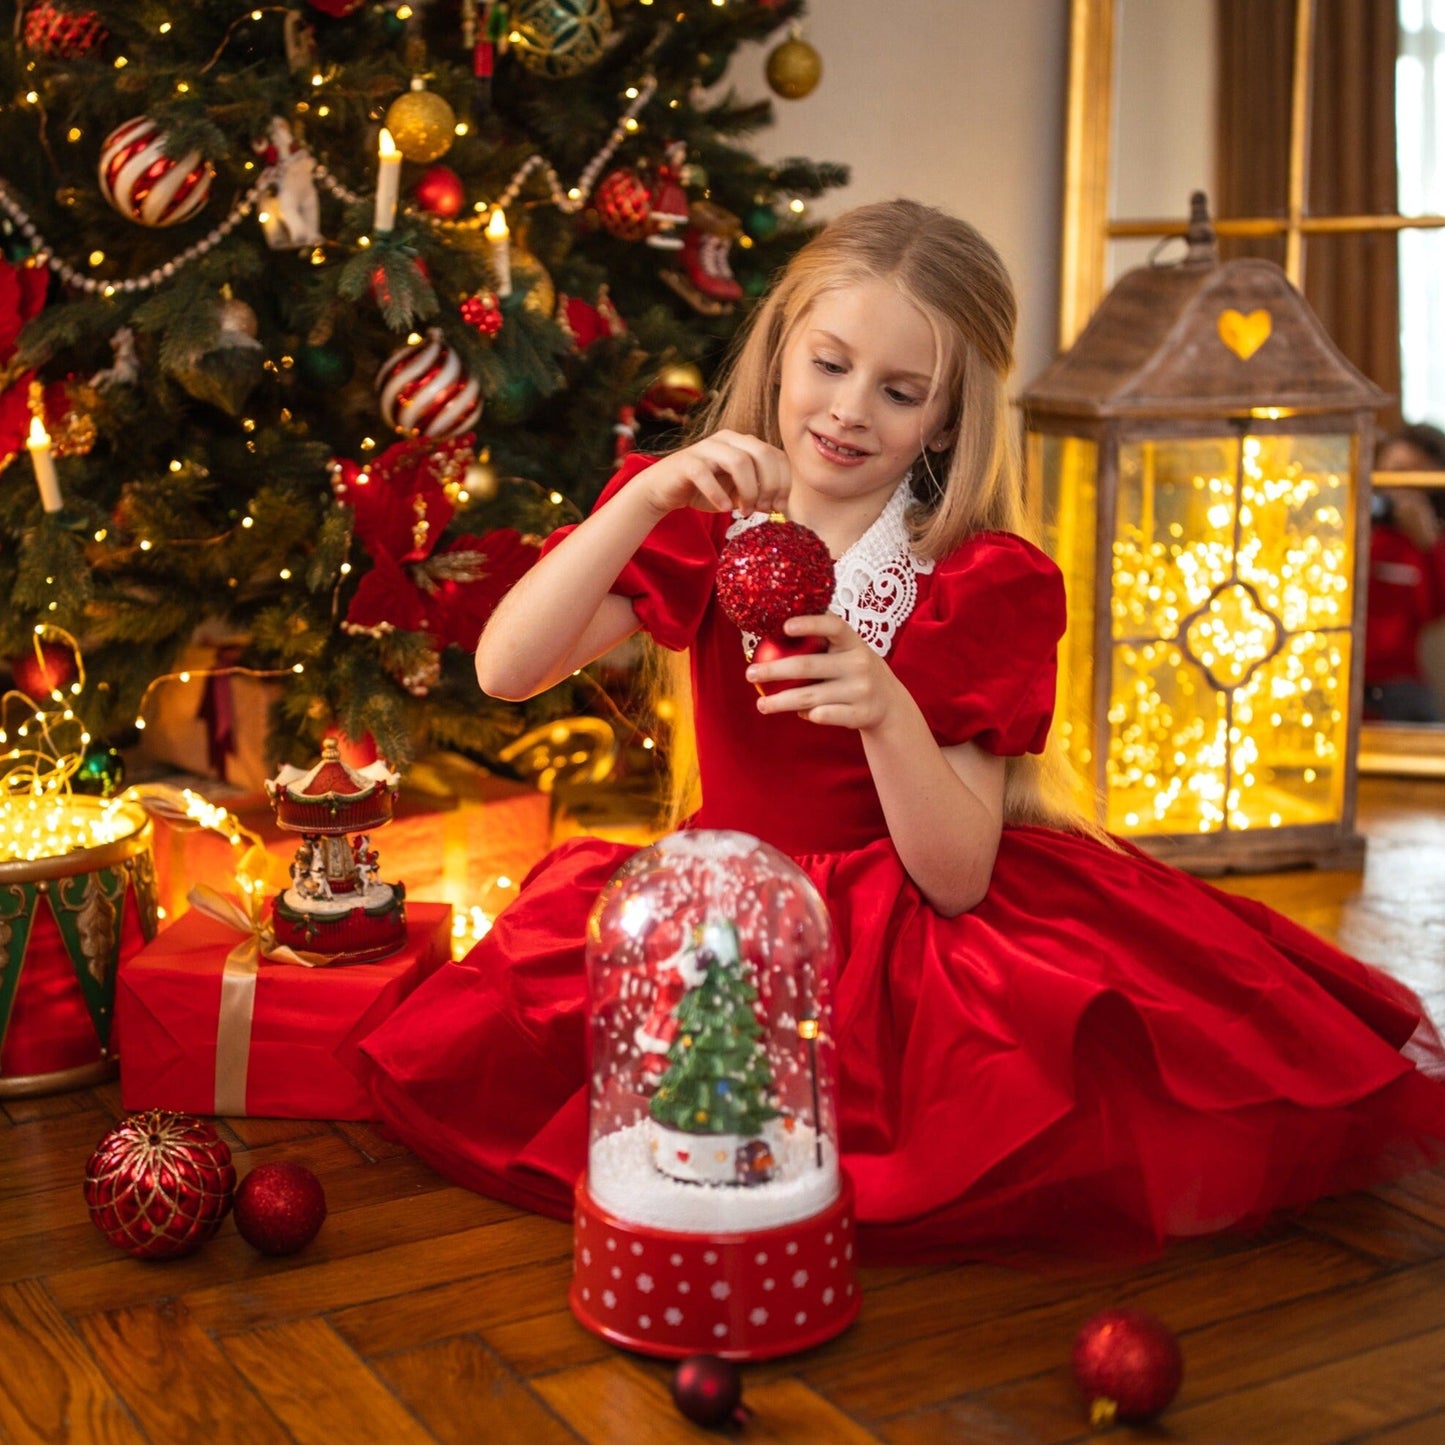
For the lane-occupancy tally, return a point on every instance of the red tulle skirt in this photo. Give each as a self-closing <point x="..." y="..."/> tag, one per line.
<point x="1103" y="1055"/>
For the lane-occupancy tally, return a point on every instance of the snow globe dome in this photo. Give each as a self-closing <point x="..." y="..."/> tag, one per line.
<point x="714" y="1214"/>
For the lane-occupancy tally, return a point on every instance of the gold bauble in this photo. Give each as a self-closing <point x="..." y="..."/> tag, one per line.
<point x="681" y="376"/>
<point x="794" y="68"/>
<point x="422" y="124"/>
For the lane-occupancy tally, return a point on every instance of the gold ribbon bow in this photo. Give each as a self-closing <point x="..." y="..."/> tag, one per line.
<point x="238" y="984"/>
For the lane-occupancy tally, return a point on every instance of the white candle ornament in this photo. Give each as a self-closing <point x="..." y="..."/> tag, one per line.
<point x="44" y="463"/>
<point x="388" y="183"/>
<point x="500" y="248"/>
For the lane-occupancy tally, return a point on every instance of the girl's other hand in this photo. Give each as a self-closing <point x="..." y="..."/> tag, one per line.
<point x="723" y="471"/>
<point x="847" y="686"/>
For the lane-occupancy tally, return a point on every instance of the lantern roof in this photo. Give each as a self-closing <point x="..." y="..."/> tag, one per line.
<point x="1202" y="338"/>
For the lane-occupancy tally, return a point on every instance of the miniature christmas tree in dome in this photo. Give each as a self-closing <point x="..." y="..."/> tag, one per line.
<point x="719" y="1083"/>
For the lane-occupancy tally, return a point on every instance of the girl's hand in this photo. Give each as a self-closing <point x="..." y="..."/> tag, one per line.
<point x="723" y="471"/>
<point x="847" y="686"/>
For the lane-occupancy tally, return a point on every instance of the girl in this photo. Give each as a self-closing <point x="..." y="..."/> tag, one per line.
<point x="1043" y="1037"/>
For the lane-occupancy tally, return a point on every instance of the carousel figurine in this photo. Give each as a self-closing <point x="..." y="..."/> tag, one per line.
<point x="336" y="903"/>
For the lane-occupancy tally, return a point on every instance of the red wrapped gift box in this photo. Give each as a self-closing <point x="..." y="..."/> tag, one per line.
<point x="301" y="1060"/>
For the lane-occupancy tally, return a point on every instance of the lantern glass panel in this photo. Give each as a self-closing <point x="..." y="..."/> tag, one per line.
<point x="1231" y="609"/>
<point x="1069" y="469"/>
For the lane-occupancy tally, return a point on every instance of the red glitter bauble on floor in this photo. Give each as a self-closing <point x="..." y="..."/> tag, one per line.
<point x="1128" y="1365"/>
<point x="709" y="1390"/>
<point x="772" y="572"/>
<point x="159" y="1184"/>
<point x="280" y="1207"/>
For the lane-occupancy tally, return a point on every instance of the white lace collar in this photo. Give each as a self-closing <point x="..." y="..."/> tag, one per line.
<point x="876" y="579"/>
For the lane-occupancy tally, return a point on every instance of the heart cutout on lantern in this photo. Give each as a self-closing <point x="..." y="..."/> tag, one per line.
<point x="1242" y="334"/>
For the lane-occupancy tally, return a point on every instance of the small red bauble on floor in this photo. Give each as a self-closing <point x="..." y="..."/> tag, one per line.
<point x="772" y="648"/>
<point x="159" y="1184"/>
<point x="1128" y="1365"/>
<point x="709" y="1390"/>
<point x="280" y="1207"/>
<point x="772" y="572"/>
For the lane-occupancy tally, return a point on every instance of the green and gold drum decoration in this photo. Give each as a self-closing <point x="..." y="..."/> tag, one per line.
<point x="77" y="896"/>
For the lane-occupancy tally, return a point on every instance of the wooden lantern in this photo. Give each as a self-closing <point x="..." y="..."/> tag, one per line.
<point x="1200" y="456"/>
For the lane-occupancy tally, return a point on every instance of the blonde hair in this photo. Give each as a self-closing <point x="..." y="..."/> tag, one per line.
<point x="974" y="483"/>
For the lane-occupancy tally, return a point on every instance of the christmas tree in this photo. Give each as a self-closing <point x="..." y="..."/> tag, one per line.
<point x="718" y="1079"/>
<point x="316" y="316"/>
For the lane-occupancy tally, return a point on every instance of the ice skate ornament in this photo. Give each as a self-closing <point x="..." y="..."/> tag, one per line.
<point x="336" y="905"/>
<point x="288" y="207"/>
<point x="668" y="213"/>
<point x="705" y="279"/>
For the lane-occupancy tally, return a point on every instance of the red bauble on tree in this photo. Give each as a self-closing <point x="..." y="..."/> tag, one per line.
<point x="709" y="1390"/>
<point x="440" y="192"/>
<point x="623" y="204"/>
<point x="1128" y="1365"/>
<point x="338" y="9"/>
<point x="280" y="1207"/>
<point x="63" y="34"/>
<point x="40" y="676"/>
<point x="159" y="1184"/>
<point x="426" y="391"/>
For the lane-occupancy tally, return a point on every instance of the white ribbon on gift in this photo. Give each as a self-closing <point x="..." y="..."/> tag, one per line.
<point x="238" y="988"/>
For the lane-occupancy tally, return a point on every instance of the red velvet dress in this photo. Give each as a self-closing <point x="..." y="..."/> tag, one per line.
<point x="1104" y="1053"/>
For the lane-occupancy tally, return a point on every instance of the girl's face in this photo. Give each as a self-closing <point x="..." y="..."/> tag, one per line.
<point x="853" y="399"/>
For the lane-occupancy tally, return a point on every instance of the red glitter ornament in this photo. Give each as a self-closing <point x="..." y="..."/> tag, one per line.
<point x="159" y="1184"/>
<point x="280" y="1207"/>
<point x="709" y="1390"/>
<point x="484" y="312"/>
<point x="63" y="34"/>
<point x="623" y="204"/>
<point x="1128" y="1365"/>
<point x="772" y="572"/>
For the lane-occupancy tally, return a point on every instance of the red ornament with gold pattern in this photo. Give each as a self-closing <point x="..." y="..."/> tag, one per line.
<point x="336" y="904"/>
<point x="623" y="204"/>
<point x="159" y="1184"/>
<point x="63" y="34"/>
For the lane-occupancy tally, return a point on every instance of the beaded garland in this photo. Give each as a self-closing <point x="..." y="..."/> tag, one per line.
<point x="569" y="202"/>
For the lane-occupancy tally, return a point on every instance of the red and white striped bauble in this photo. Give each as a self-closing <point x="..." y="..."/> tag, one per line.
<point x="146" y="185"/>
<point x="425" y="391"/>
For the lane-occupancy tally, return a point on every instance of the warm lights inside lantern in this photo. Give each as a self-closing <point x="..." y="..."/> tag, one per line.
<point x="1230" y="613"/>
<point x="33" y="827"/>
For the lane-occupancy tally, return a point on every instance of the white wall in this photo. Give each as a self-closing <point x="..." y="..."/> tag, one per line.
<point x="958" y="103"/>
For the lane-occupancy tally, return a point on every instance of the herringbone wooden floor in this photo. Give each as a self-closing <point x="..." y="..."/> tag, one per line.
<point x="423" y="1312"/>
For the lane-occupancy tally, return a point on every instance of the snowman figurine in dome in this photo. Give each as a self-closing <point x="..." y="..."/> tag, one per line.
<point x="336" y="904"/>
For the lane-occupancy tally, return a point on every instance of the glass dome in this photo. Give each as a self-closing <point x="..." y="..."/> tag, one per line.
<point x="709" y="961"/>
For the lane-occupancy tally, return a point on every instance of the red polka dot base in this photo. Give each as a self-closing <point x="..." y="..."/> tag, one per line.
<point x="742" y="1296"/>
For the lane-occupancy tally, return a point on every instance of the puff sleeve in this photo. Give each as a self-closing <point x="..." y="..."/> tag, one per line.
<point x="987" y="640"/>
<point x="669" y="580"/>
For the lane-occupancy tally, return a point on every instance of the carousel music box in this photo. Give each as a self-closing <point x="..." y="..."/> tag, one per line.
<point x="336" y="904"/>
<point x="714" y="1215"/>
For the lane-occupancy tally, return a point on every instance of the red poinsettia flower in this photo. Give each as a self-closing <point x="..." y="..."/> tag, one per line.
<point x="416" y="583"/>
